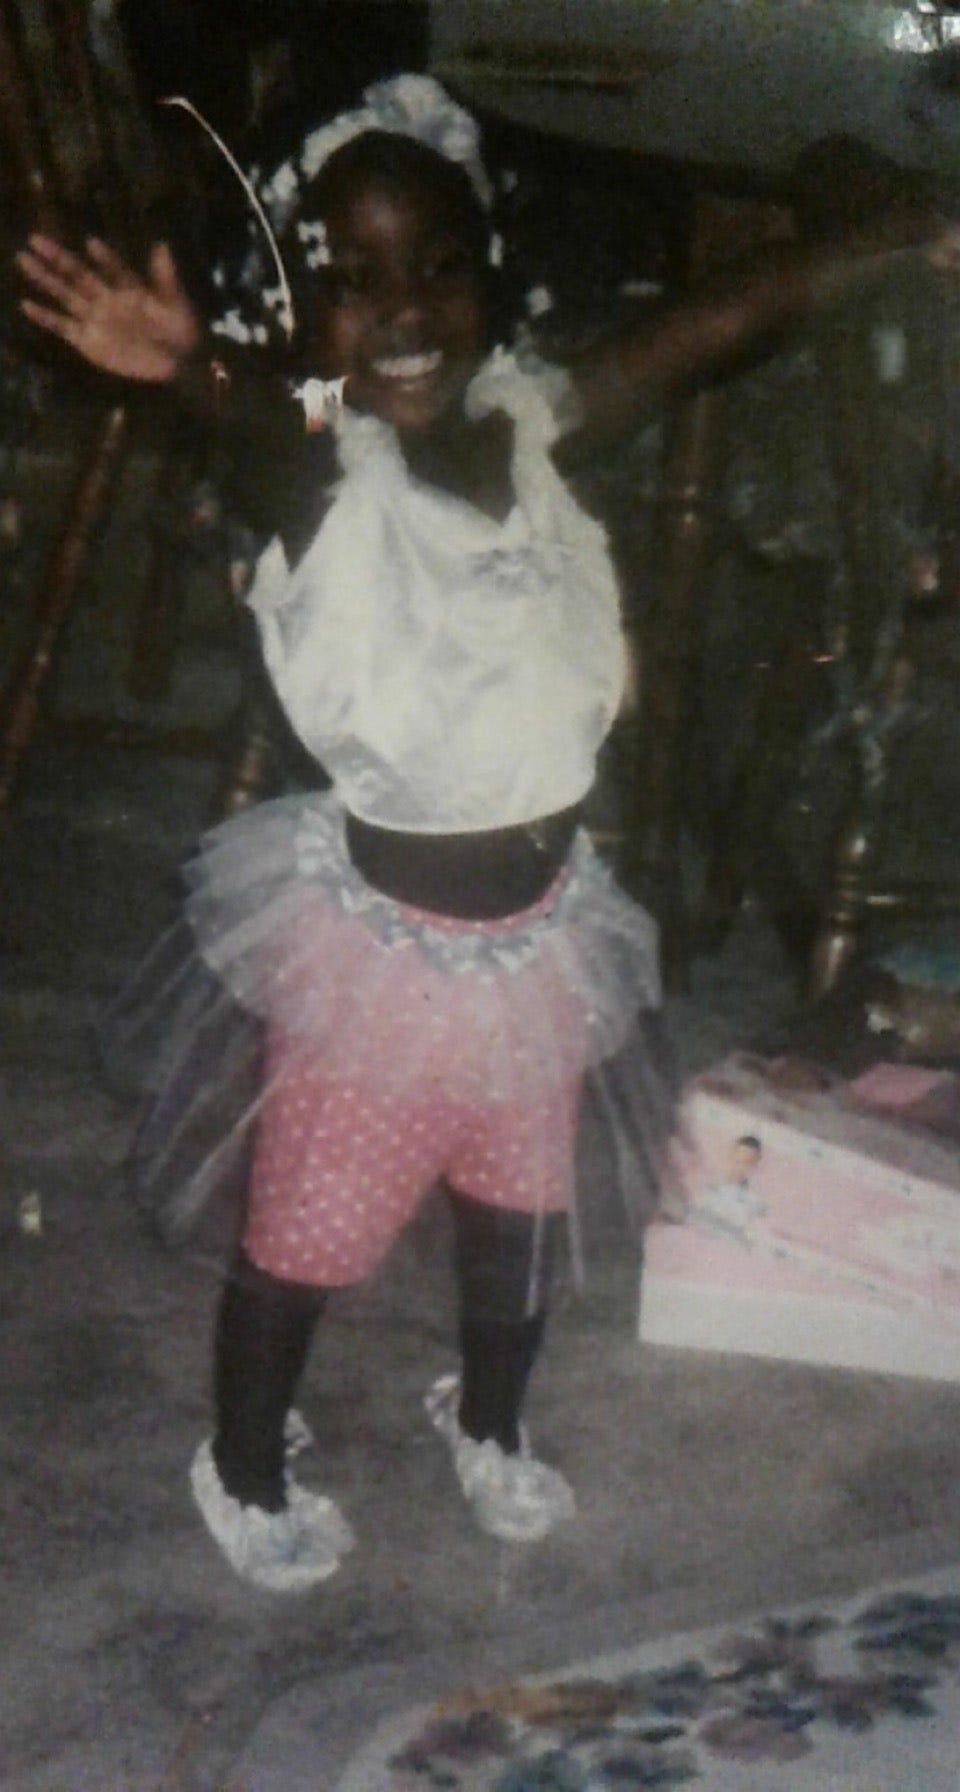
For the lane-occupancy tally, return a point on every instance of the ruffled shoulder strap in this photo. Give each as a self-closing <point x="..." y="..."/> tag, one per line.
<point x="362" y="440"/>
<point x="537" y="396"/>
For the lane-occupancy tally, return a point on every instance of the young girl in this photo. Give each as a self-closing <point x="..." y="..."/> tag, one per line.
<point x="434" y="949"/>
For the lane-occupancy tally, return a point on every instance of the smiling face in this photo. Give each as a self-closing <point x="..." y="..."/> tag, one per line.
<point x="402" y="312"/>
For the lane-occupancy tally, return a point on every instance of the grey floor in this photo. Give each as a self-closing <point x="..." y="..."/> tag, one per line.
<point x="130" y="1659"/>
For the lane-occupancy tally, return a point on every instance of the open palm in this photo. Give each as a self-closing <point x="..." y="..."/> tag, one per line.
<point x="141" y="327"/>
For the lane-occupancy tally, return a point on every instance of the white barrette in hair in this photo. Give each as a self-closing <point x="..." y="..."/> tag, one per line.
<point x="411" y="106"/>
<point x="312" y="234"/>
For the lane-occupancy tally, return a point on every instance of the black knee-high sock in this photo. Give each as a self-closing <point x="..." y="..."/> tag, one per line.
<point x="263" y="1334"/>
<point x="503" y="1260"/>
<point x="497" y="1357"/>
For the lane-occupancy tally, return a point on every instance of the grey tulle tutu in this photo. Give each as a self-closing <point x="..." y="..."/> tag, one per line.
<point x="281" y="934"/>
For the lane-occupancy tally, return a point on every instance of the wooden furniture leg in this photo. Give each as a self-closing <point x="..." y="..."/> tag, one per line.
<point x="33" y="184"/>
<point x="91" y="494"/>
<point x="651" y="859"/>
<point x="876" y="644"/>
<point x="27" y="176"/>
<point x="743" y="857"/>
<point x="721" y="231"/>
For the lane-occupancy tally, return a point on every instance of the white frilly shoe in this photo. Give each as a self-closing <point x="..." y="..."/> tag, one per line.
<point x="283" y="1552"/>
<point x="515" y="1498"/>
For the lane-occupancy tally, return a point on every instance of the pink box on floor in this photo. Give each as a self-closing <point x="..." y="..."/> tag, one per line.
<point x="821" y="1220"/>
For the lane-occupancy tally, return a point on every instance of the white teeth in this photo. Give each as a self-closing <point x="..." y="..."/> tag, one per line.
<point x="408" y="367"/>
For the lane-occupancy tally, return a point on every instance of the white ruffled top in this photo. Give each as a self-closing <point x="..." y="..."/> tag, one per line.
<point x="451" y="673"/>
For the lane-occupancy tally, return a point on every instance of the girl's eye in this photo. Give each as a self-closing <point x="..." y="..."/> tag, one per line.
<point x="348" y="281"/>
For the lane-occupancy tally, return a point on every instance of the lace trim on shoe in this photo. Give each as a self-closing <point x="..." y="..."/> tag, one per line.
<point x="283" y="1552"/>
<point x="515" y="1498"/>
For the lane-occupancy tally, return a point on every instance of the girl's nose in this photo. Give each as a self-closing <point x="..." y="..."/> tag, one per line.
<point x="405" y="299"/>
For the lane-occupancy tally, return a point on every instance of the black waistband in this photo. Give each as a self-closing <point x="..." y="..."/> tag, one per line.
<point x="474" y="877"/>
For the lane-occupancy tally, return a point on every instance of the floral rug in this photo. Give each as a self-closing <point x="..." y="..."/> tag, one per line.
<point x="863" y="1697"/>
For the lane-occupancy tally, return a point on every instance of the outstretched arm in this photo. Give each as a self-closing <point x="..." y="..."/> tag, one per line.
<point x="140" y="327"/>
<point x="625" y="382"/>
<point x="144" y="328"/>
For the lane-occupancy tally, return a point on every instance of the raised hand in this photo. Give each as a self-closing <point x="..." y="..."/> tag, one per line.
<point x="139" y="327"/>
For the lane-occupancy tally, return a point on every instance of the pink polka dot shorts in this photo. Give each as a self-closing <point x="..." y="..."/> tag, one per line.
<point x="340" y="1168"/>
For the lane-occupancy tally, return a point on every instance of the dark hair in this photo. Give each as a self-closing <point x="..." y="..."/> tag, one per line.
<point x="405" y="165"/>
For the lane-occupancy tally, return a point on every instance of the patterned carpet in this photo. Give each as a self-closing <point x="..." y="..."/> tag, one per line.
<point x="860" y="1697"/>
